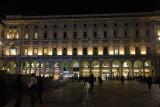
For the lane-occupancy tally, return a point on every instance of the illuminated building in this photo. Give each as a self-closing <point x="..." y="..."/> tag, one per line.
<point x="111" y="45"/>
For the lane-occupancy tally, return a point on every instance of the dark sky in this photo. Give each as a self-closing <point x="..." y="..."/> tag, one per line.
<point x="53" y="7"/>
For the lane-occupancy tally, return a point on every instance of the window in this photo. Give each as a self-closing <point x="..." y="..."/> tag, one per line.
<point x="10" y="27"/>
<point x="55" y="51"/>
<point x="36" y="27"/>
<point x="126" y="34"/>
<point x="95" y="34"/>
<point x="35" y="35"/>
<point x="75" y="26"/>
<point x="15" y="27"/>
<point x="64" y="35"/>
<point x="84" y="34"/>
<point x="148" y="50"/>
<point x="136" y="24"/>
<point x="65" y="26"/>
<point x="25" y="51"/>
<point x="148" y="33"/>
<point x="26" y="36"/>
<point x="137" y="51"/>
<point x="35" y="51"/>
<point x="95" y="25"/>
<point x="126" y="24"/>
<point x="105" y="34"/>
<point x="105" y="25"/>
<point x="85" y="25"/>
<point x="116" y="51"/>
<point x="45" y="26"/>
<point x="75" y="35"/>
<point x="137" y="34"/>
<point x="115" y="34"/>
<point x="12" y="50"/>
<point x="74" y="51"/>
<point x="84" y="51"/>
<point x="55" y="26"/>
<point x="115" y="24"/>
<point x="105" y="50"/>
<point x="45" y="51"/>
<point x="26" y="27"/>
<point x="95" y="51"/>
<point x="45" y="35"/>
<point x="126" y="50"/>
<point x="55" y="35"/>
<point x="64" y="51"/>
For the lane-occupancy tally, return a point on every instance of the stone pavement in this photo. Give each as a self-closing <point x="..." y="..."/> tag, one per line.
<point x="111" y="94"/>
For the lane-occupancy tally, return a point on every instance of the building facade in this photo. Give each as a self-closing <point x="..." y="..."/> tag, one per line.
<point x="126" y="44"/>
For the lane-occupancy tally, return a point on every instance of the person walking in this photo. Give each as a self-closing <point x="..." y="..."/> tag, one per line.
<point x="19" y="90"/>
<point x="40" y="89"/>
<point x="32" y="88"/>
<point x="91" y="82"/>
<point x="122" y="79"/>
<point x="149" y="81"/>
<point x="100" y="81"/>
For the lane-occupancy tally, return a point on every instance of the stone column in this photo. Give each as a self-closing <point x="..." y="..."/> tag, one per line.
<point x="143" y="70"/>
<point x="80" y="71"/>
<point x="18" y="69"/>
<point x="133" y="70"/>
<point x="90" y="68"/>
<point x="53" y="71"/>
<point x="121" y="69"/>
<point x="100" y="68"/>
<point x="49" y="68"/>
<point x="110" y="71"/>
<point x="29" y="68"/>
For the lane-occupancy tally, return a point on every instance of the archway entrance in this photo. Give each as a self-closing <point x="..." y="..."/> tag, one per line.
<point x="127" y="71"/>
<point x="75" y="68"/>
<point x="95" y="68"/>
<point x="138" y="68"/>
<point x="149" y="68"/>
<point x="85" y="68"/>
<point x="65" y="70"/>
<point x="116" y="69"/>
<point x="56" y="71"/>
<point x="11" y="67"/>
<point x="105" y="70"/>
<point x="25" y="67"/>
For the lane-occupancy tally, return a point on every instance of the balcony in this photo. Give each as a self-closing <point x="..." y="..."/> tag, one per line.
<point x="126" y="40"/>
<point x="105" y="40"/>
<point x="75" y="40"/>
<point x="85" y="40"/>
<point x="65" y="40"/>
<point x="55" y="40"/>
<point x="148" y="40"/>
<point x="45" y="41"/>
<point x="26" y="41"/>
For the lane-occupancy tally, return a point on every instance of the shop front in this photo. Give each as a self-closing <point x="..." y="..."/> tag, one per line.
<point x="56" y="71"/>
<point x="115" y="72"/>
<point x="125" y="72"/>
<point x="105" y="70"/>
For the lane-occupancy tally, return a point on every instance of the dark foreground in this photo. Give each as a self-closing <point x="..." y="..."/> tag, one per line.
<point x="111" y="94"/>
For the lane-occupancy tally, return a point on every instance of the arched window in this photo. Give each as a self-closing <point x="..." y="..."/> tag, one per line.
<point x="64" y="51"/>
<point x="116" y="50"/>
<point x="74" y="51"/>
<point x="105" y="50"/>
<point x="84" y="51"/>
<point x="12" y="50"/>
<point x="148" y="50"/>
<point x="55" y="51"/>
<point x="126" y="50"/>
<point x="95" y="51"/>
<point x="137" y="51"/>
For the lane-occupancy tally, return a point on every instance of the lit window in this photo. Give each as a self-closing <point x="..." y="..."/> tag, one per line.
<point x="36" y="36"/>
<point x="26" y="36"/>
<point x="35" y="51"/>
<point x="45" y="51"/>
<point x="13" y="50"/>
<point x="26" y="51"/>
<point x="116" y="50"/>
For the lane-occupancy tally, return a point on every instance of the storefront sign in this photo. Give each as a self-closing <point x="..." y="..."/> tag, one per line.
<point x="75" y="69"/>
<point x="66" y="72"/>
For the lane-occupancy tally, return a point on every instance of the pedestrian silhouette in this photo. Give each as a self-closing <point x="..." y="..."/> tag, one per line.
<point x="100" y="80"/>
<point x="19" y="90"/>
<point x="40" y="89"/>
<point x="122" y="79"/>
<point x="91" y="82"/>
<point x="149" y="81"/>
<point x="32" y="89"/>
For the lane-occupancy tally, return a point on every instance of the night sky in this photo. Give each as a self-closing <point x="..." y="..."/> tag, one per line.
<point x="48" y="7"/>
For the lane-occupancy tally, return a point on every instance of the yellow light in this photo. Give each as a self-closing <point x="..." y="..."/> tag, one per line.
<point x="121" y="53"/>
<point x="69" y="53"/>
<point x="143" y="52"/>
<point x="50" y="53"/>
<point x="29" y="53"/>
<point x="111" y="52"/>
<point x="90" y="53"/>
<point x="100" y="53"/>
<point x="158" y="33"/>
<point x="39" y="53"/>
<point x="80" y="53"/>
<point x="59" y="53"/>
<point x="159" y="38"/>
<point x="133" y="52"/>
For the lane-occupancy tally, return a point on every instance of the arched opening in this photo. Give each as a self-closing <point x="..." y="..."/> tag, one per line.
<point x="85" y="68"/>
<point x="116" y="69"/>
<point x="84" y="51"/>
<point x="95" y="67"/>
<point x="105" y="50"/>
<point x="75" y="68"/>
<point x="149" y="68"/>
<point x="105" y="70"/>
<point x="126" y="50"/>
<point x="64" y="51"/>
<point x="138" y="68"/>
<point x="95" y="51"/>
<point x="11" y="67"/>
<point x="65" y="70"/>
<point x="148" y="50"/>
<point x="138" y="51"/>
<point x="74" y="51"/>
<point x="127" y="69"/>
<point x="12" y="49"/>
<point x="56" y="71"/>
<point x="25" y="67"/>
